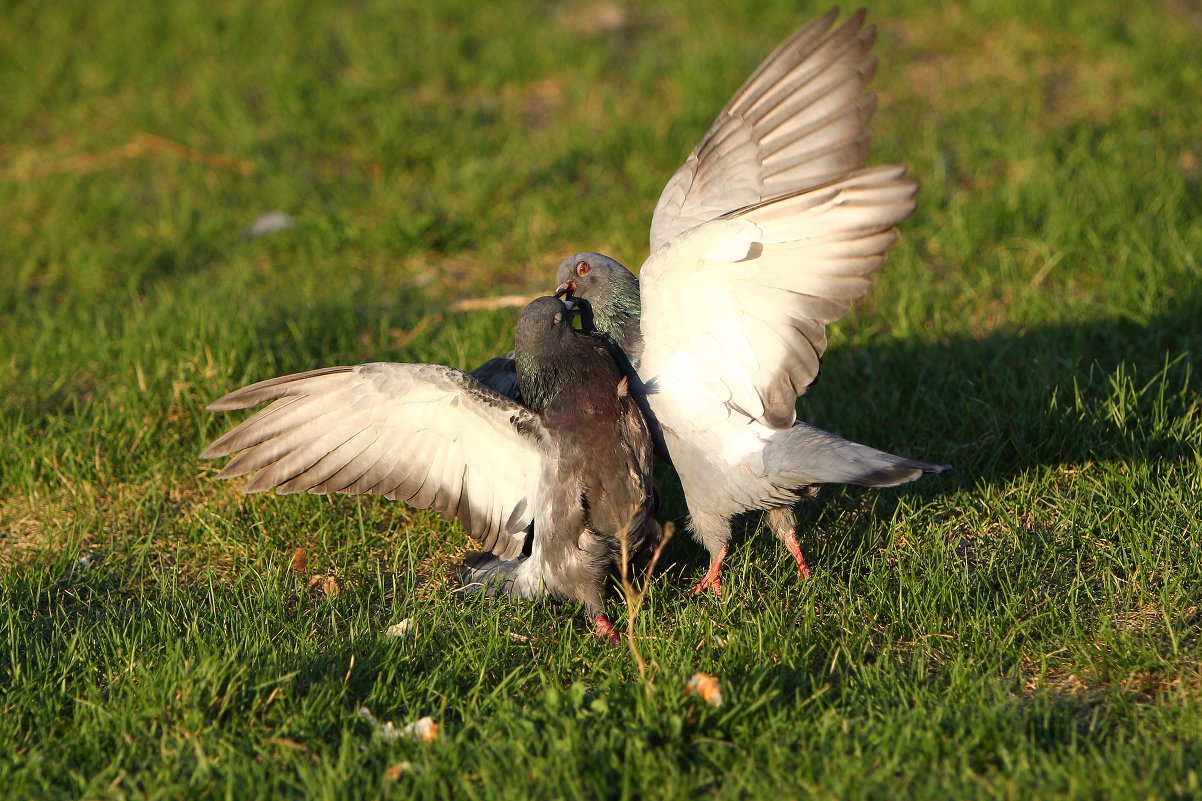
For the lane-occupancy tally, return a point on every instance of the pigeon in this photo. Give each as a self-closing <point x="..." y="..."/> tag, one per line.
<point x="572" y="465"/>
<point x="767" y="232"/>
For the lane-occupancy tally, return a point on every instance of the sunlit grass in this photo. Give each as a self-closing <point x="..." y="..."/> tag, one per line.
<point x="1026" y="626"/>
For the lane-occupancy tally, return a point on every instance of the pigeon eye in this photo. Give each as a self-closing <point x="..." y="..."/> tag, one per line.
<point x="582" y="268"/>
<point x="558" y="319"/>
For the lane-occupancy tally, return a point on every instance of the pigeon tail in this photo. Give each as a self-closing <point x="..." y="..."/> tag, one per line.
<point x="482" y="571"/>
<point x="803" y="455"/>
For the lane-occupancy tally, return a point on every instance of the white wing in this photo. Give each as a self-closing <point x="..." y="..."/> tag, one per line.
<point x="801" y="120"/>
<point x="428" y="435"/>
<point x="734" y="311"/>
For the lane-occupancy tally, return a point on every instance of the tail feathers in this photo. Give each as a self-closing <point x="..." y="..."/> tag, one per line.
<point x="804" y="455"/>
<point x="482" y="571"/>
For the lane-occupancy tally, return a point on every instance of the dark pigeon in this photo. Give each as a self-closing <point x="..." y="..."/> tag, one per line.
<point x="767" y="232"/>
<point x="574" y="463"/>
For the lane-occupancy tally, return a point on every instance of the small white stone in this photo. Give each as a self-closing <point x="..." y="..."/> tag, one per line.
<point x="268" y="223"/>
<point x="402" y="629"/>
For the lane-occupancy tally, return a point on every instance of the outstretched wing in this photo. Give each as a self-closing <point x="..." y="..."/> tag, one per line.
<point x="800" y="121"/>
<point x="428" y="435"/>
<point x="735" y="311"/>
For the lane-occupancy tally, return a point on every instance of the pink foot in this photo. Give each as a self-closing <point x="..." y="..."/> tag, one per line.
<point x="711" y="576"/>
<point x="803" y="570"/>
<point x="605" y="630"/>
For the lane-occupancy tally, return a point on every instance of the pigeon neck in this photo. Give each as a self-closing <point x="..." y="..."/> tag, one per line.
<point x="566" y="373"/>
<point x="542" y="380"/>
<point x="620" y="320"/>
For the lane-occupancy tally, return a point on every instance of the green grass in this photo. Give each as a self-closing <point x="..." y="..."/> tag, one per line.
<point x="1025" y="627"/>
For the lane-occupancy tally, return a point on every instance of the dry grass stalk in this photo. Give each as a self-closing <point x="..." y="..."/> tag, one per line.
<point x="635" y="598"/>
<point x="498" y="302"/>
<point x="142" y="144"/>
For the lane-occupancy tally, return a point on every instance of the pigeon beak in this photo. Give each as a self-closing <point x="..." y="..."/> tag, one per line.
<point x="566" y="288"/>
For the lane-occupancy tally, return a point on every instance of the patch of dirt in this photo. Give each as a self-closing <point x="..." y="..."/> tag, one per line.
<point x="22" y="532"/>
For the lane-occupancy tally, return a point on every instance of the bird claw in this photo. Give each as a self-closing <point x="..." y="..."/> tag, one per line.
<point x="711" y="576"/>
<point x="604" y="629"/>
<point x="709" y="583"/>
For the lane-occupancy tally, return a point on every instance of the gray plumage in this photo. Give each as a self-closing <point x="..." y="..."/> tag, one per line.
<point x="767" y="232"/>
<point x="572" y="466"/>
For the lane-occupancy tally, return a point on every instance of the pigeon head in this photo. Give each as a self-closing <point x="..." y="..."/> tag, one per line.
<point x="542" y="325"/>
<point x="599" y="280"/>
<point x="543" y="350"/>
<point x="612" y="292"/>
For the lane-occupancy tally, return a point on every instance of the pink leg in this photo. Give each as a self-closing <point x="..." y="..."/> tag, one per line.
<point x="711" y="576"/>
<point x="605" y="630"/>
<point x="803" y="570"/>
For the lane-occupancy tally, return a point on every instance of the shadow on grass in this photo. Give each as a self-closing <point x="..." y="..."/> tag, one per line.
<point x="1013" y="400"/>
<point x="1007" y="402"/>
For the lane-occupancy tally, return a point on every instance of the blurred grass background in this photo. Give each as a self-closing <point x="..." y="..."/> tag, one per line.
<point x="1025" y="627"/>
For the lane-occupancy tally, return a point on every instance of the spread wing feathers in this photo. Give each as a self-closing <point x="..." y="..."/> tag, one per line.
<point x="428" y="435"/>
<point x="735" y="311"/>
<point x="799" y="121"/>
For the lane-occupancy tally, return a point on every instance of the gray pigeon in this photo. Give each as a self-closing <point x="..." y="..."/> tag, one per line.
<point x="574" y="462"/>
<point x="768" y="231"/>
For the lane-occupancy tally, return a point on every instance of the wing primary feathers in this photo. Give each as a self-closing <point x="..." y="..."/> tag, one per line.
<point x="780" y="60"/>
<point x="265" y="424"/>
<point x="328" y="465"/>
<point x="354" y="469"/>
<point x="427" y="434"/>
<point x="274" y="388"/>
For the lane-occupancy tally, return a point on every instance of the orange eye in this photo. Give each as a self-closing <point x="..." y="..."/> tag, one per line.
<point x="582" y="268"/>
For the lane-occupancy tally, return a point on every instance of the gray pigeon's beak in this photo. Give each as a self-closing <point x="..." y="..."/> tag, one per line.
<point x="564" y="293"/>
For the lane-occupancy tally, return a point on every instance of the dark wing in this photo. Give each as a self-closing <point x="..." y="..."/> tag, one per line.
<point x="500" y="373"/>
